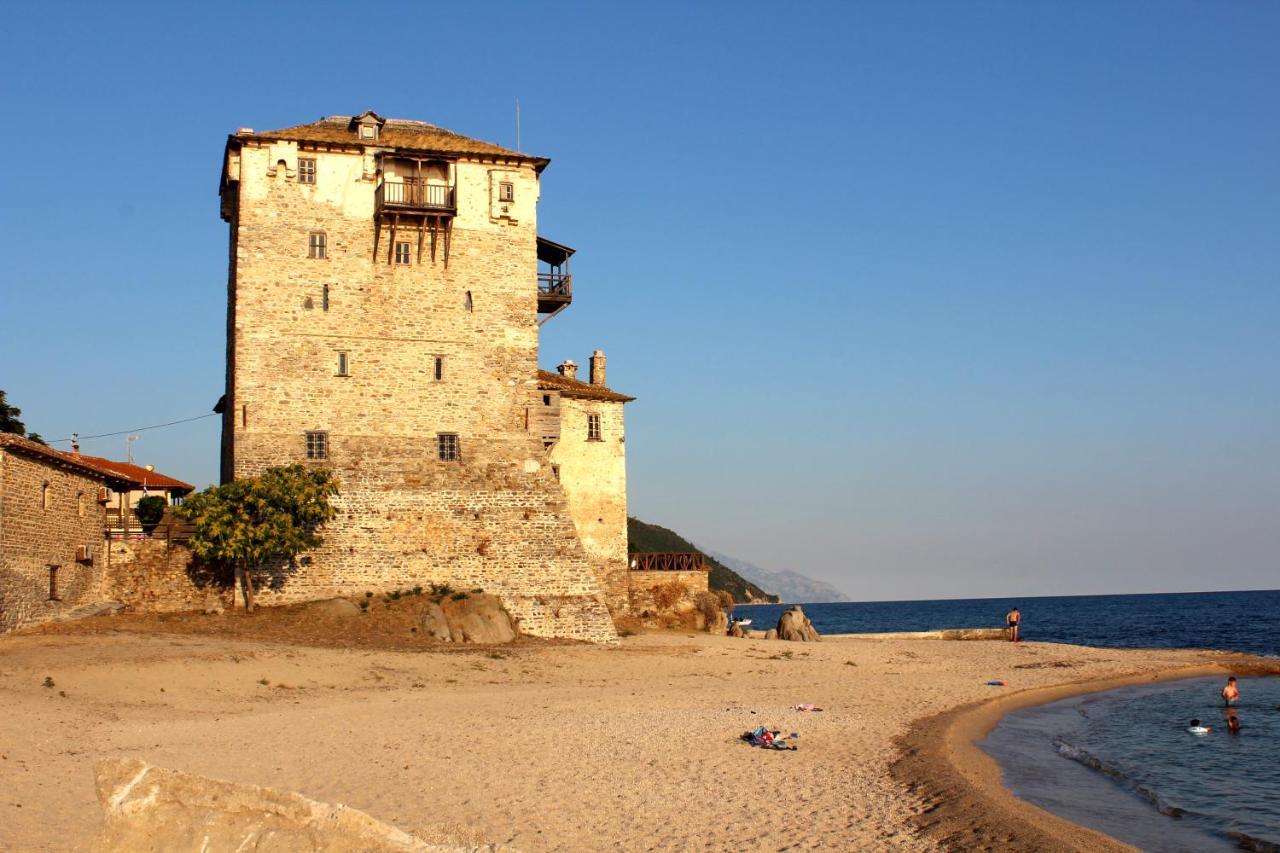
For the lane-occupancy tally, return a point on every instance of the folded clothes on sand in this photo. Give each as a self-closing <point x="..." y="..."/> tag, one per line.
<point x="766" y="739"/>
<point x="805" y="707"/>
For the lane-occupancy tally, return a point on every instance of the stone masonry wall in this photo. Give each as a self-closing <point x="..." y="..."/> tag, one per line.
<point x="496" y="519"/>
<point x="642" y="586"/>
<point x="594" y="477"/>
<point x="34" y="537"/>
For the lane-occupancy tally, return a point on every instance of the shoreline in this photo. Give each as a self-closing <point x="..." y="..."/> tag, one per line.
<point x="966" y="803"/>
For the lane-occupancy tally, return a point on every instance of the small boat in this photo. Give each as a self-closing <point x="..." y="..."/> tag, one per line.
<point x="742" y="623"/>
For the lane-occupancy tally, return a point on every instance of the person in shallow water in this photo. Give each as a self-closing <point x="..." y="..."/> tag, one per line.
<point x="1231" y="693"/>
<point x="1196" y="729"/>
<point x="1233" y="724"/>
<point x="1014" y="620"/>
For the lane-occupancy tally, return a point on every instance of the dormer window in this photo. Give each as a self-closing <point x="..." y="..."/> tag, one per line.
<point x="367" y="125"/>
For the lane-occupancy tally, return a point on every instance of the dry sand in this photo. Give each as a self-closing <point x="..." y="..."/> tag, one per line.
<point x="548" y="747"/>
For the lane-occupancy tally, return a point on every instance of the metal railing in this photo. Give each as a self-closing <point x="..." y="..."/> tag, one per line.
<point x="691" y="561"/>
<point x="413" y="194"/>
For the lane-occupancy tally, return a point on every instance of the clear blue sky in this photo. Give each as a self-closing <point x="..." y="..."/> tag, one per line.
<point x="923" y="299"/>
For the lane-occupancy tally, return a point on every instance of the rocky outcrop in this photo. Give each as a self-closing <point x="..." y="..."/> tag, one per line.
<point x="794" y="625"/>
<point x="478" y="618"/>
<point x="150" y="808"/>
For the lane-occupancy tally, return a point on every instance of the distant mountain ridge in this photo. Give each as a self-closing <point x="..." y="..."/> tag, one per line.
<point x="645" y="538"/>
<point x="792" y="586"/>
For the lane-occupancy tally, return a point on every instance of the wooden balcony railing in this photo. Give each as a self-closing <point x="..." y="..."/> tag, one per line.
<point x="673" y="562"/>
<point x="555" y="284"/>
<point x="415" y="195"/>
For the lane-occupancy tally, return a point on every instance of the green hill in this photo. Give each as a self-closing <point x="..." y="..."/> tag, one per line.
<point x="644" y="538"/>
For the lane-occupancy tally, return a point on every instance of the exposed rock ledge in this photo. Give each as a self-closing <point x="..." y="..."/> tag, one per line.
<point x="150" y="808"/>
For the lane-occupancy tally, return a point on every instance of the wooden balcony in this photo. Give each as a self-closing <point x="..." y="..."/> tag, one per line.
<point x="555" y="290"/>
<point x="690" y="561"/>
<point x="413" y="195"/>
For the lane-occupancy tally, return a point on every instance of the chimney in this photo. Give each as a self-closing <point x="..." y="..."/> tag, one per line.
<point x="597" y="368"/>
<point x="569" y="370"/>
<point x="75" y="443"/>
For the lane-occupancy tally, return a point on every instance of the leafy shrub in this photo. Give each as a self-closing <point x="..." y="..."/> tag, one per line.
<point x="666" y="595"/>
<point x="150" y="510"/>
<point x="708" y="604"/>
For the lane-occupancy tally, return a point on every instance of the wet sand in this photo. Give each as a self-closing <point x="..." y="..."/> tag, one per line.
<point x="557" y="747"/>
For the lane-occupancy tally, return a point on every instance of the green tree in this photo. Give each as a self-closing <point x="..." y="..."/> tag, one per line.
<point x="274" y="516"/>
<point x="150" y="510"/>
<point x="10" y="421"/>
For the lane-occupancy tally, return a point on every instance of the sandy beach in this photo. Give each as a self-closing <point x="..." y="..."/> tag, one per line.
<point x="557" y="747"/>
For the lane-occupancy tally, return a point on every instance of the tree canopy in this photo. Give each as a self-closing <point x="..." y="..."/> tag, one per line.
<point x="247" y="522"/>
<point x="10" y="420"/>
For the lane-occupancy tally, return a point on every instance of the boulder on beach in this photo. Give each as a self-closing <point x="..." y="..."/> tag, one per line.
<point x="794" y="625"/>
<point x="337" y="608"/>
<point x="433" y="624"/>
<point x="478" y="618"/>
<point x="152" y="808"/>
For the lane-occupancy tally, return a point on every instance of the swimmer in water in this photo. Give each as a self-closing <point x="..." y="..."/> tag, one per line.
<point x="1196" y="729"/>
<point x="1231" y="693"/>
<point x="1233" y="724"/>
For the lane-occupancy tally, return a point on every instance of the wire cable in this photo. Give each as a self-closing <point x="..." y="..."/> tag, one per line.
<point x="138" y="429"/>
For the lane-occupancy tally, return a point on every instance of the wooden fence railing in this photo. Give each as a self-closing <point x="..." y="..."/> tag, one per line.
<point x="685" y="561"/>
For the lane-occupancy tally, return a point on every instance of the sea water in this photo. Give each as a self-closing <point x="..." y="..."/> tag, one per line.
<point x="1239" y="621"/>
<point x="1123" y="762"/>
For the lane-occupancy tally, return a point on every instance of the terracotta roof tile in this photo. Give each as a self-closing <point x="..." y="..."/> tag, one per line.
<point x="549" y="381"/>
<point x="395" y="133"/>
<point x="36" y="450"/>
<point x="137" y="474"/>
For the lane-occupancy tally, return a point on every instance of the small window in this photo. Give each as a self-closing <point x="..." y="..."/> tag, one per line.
<point x="306" y="170"/>
<point x="402" y="253"/>
<point x="546" y="399"/>
<point x="80" y="500"/>
<point x="467" y="303"/>
<point x="317" y="445"/>
<point x="593" y="428"/>
<point x="343" y="365"/>
<point x="448" y="446"/>
<point x="317" y="245"/>
<point x="439" y="368"/>
<point x="506" y="191"/>
<point x="368" y="131"/>
<point x="324" y="298"/>
<point x="53" y="583"/>
<point x="46" y="495"/>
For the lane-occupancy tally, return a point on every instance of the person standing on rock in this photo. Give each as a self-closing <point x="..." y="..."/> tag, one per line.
<point x="1014" y="620"/>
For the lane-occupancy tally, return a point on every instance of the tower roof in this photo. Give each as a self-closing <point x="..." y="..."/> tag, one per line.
<point x="548" y="381"/>
<point x="392" y="133"/>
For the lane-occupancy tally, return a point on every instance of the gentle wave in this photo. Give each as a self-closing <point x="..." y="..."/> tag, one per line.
<point x="1083" y="756"/>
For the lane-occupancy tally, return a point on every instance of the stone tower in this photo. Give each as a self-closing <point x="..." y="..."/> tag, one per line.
<point x="384" y="298"/>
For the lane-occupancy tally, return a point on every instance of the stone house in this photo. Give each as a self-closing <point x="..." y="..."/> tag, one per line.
<point x="386" y="287"/>
<point x="121" y="512"/>
<point x="52" y="516"/>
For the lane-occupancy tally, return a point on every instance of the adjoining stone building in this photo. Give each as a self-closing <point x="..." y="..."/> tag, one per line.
<point x="52" y="515"/>
<point x="384" y="300"/>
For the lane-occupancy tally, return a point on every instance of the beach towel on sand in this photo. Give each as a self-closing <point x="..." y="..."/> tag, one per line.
<point x="766" y="739"/>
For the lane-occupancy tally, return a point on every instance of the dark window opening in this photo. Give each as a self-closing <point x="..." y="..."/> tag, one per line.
<point x="317" y="445"/>
<point x="343" y="365"/>
<point x="317" y="245"/>
<point x="53" y="583"/>
<point x="593" y="428"/>
<point x="546" y="399"/>
<point x="306" y="170"/>
<point x="439" y="368"/>
<point x="324" y="298"/>
<point x="467" y="303"/>
<point x="448" y="447"/>
<point x="555" y="472"/>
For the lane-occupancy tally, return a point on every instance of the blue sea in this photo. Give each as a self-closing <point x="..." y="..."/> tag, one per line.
<point x="1122" y="761"/>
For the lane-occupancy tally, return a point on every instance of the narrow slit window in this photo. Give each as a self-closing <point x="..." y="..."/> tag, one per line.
<point x="324" y="298"/>
<point x="439" y="369"/>
<point x="402" y="253"/>
<point x="53" y="583"/>
<point x="80" y="504"/>
<point x="506" y="191"/>
<point x="46" y="495"/>
<point x="555" y="472"/>
<point x="593" y="428"/>
<point x="306" y="170"/>
<point x="447" y="445"/>
<point x="467" y="303"/>
<point x="343" y="365"/>
<point x="317" y="245"/>
<point x="317" y="445"/>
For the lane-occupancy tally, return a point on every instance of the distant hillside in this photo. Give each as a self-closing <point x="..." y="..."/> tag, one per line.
<point x="792" y="586"/>
<point x="643" y="538"/>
